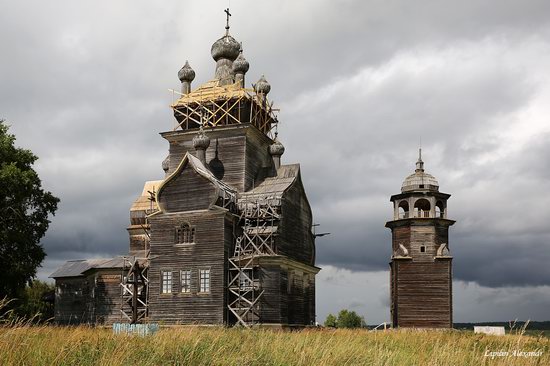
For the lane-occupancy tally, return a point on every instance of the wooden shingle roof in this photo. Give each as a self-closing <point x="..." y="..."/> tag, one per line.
<point x="274" y="187"/>
<point x="76" y="268"/>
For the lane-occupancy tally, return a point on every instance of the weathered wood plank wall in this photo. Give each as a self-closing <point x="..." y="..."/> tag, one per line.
<point x="209" y="251"/>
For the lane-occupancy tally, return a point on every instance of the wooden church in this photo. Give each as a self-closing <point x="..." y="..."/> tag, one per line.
<point x="225" y="238"/>
<point x="421" y="265"/>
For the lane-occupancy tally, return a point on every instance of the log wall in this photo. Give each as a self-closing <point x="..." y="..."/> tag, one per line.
<point x="421" y="285"/>
<point x="295" y="239"/>
<point x="422" y="294"/>
<point x="209" y="251"/>
<point x="71" y="300"/>
<point x="94" y="298"/>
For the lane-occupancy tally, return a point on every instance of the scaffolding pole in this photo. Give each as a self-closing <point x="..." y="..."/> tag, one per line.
<point x="134" y="304"/>
<point x="258" y="221"/>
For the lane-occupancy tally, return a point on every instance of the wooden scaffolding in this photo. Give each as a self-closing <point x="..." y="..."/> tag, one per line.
<point x="222" y="106"/>
<point x="135" y="289"/>
<point x="134" y="304"/>
<point x="259" y="221"/>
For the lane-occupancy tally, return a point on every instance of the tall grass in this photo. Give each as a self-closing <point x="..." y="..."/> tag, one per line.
<point x="22" y="343"/>
<point x="51" y="345"/>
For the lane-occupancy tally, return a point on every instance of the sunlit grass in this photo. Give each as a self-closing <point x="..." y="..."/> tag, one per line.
<point x="22" y="343"/>
<point x="50" y="345"/>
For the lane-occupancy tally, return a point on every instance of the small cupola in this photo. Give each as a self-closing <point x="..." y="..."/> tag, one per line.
<point x="186" y="76"/>
<point x="420" y="197"/>
<point x="276" y="149"/>
<point x="166" y="165"/>
<point x="262" y="87"/>
<point x="420" y="180"/>
<point x="240" y="67"/>
<point x="201" y="143"/>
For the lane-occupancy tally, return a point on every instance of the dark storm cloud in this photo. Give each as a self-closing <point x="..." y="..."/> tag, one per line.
<point x="336" y="37"/>
<point x="466" y="106"/>
<point x="84" y="86"/>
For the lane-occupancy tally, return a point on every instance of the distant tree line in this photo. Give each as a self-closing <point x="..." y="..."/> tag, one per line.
<point x="345" y="319"/>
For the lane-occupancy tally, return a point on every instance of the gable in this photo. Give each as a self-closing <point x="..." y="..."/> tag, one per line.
<point x="186" y="190"/>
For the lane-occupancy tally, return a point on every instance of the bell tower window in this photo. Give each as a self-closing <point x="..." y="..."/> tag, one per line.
<point x="439" y="210"/>
<point x="422" y="208"/>
<point x="403" y="210"/>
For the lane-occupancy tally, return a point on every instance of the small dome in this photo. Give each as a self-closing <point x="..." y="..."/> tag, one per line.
<point x="262" y="86"/>
<point x="201" y="141"/>
<point x="276" y="148"/>
<point x="225" y="47"/>
<point x="420" y="180"/>
<point x="240" y="65"/>
<point x="166" y="163"/>
<point x="186" y="73"/>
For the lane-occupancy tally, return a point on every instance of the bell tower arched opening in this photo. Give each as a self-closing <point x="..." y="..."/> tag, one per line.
<point x="440" y="210"/>
<point x="403" y="210"/>
<point x="422" y="208"/>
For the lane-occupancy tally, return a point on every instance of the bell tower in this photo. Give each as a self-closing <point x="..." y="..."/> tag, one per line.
<point x="421" y="264"/>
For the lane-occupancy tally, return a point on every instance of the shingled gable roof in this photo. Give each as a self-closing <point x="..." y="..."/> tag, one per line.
<point x="222" y="188"/>
<point x="274" y="187"/>
<point x="76" y="268"/>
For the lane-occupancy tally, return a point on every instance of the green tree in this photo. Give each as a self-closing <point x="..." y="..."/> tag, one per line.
<point x="24" y="211"/>
<point x="330" y="321"/>
<point x="349" y="319"/>
<point x="37" y="301"/>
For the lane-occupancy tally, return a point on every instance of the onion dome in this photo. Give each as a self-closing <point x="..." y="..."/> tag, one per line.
<point x="186" y="73"/>
<point x="262" y="86"/>
<point x="240" y="65"/>
<point x="225" y="47"/>
<point x="201" y="141"/>
<point x="420" y="180"/>
<point x="276" y="148"/>
<point x="166" y="163"/>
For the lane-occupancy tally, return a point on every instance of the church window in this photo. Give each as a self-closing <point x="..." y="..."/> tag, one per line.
<point x="204" y="280"/>
<point x="184" y="234"/>
<point x="422" y="249"/>
<point x="166" y="277"/>
<point x="185" y="281"/>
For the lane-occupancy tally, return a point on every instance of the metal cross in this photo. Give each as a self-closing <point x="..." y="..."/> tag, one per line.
<point x="227" y="20"/>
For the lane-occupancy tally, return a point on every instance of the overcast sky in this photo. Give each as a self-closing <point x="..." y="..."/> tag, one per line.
<point x="359" y="83"/>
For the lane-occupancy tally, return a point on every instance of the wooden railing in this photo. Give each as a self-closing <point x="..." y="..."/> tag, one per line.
<point x="419" y="214"/>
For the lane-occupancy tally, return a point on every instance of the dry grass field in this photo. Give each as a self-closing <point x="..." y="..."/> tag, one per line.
<point x="50" y="345"/>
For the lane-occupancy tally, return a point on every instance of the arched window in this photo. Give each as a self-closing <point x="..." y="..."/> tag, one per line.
<point x="422" y="208"/>
<point x="184" y="234"/>
<point x="403" y="209"/>
<point x="439" y="209"/>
